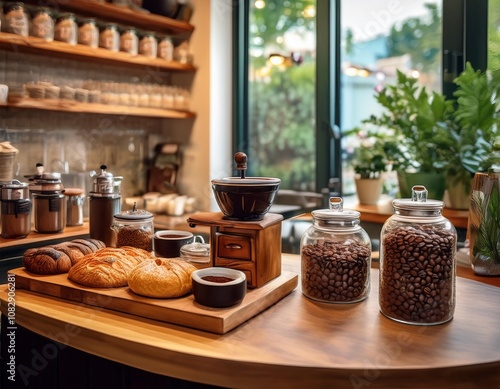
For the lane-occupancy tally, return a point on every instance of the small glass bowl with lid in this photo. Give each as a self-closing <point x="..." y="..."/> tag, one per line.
<point x="196" y="253"/>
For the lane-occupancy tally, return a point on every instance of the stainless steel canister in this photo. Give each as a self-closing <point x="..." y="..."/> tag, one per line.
<point x="104" y="203"/>
<point x="16" y="209"/>
<point x="75" y="199"/>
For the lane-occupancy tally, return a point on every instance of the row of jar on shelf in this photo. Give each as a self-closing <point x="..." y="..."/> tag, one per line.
<point x="105" y="92"/>
<point x="45" y="23"/>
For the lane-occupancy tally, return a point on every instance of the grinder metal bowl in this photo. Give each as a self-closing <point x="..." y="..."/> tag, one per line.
<point x="245" y="198"/>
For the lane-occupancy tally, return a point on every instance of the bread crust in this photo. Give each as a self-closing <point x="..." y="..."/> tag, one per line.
<point x="46" y="260"/>
<point x="106" y="268"/>
<point x="162" y="278"/>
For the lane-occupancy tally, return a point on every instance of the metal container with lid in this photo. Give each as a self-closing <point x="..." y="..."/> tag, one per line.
<point x="417" y="262"/>
<point x="134" y="228"/>
<point x="49" y="204"/>
<point x="16" y="209"/>
<point x="335" y="256"/>
<point x="104" y="203"/>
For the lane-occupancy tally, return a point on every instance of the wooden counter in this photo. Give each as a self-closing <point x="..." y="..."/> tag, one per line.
<point x="295" y="343"/>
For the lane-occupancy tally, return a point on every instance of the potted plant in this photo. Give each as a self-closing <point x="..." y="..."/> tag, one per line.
<point x="420" y="121"/>
<point x="370" y="160"/>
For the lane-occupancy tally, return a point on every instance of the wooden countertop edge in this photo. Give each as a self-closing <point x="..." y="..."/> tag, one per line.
<point x="228" y="360"/>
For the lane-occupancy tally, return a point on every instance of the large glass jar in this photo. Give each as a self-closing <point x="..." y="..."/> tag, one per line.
<point x="129" y="42"/>
<point x="417" y="262"/>
<point x="134" y="228"/>
<point x="42" y="24"/>
<point x="15" y="19"/>
<point x="88" y="33"/>
<point x="336" y="256"/>
<point x="109" y="38"/>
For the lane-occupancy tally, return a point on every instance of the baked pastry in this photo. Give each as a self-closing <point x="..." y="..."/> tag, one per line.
<point x="58" y="258"/>
<point x="108" y="267"/>
<point x="162" y="278"/>
<point x="46" y="260"/>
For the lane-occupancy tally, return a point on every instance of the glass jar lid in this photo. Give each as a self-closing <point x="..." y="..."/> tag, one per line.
<point x="418" y="201"/>
<point x="196" y="252"/>
<point x="336" y="214"/>
<point x="134" y="214"/>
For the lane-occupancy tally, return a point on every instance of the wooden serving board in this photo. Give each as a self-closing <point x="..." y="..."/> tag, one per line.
<point x="183" y="311"/>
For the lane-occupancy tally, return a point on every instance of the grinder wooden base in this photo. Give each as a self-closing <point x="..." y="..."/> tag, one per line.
<point x="253" y="247"/>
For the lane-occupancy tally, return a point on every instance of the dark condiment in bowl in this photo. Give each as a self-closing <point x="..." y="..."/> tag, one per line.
<point x="218" y="279"/>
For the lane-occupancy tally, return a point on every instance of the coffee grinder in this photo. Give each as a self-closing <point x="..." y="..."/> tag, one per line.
<point x="244" y="236"/>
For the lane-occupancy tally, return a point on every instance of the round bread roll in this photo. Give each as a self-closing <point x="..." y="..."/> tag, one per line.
<point x="46" y="260"/>
<point x="161" y="278"/>
<point x="106" y="268"/>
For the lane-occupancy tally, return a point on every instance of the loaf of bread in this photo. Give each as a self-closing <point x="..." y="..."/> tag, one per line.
<point x="59" y="258"/>
<point x="107" y="267"/>
<point x="161" y="278"/>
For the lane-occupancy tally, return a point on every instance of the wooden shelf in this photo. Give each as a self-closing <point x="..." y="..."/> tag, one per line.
<point x="126" y="16"/>
<point x="34" y="45"/>
<point x="61" y="105"/>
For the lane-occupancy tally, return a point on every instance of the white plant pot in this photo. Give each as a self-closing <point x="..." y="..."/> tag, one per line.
<point x="369" y="190"/>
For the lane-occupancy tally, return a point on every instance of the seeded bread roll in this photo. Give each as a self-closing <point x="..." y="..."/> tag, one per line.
<point x="107" y="268"/>
<point x="46" y="260"/>
<point x="162" y="278"/>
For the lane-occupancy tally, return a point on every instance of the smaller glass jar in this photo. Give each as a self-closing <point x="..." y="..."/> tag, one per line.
<point x="166" y="48"/>
<point x="335" y="256"/>
<point x="66" y="29"/>
<point x="15" y="20"/>
<point x="417" y="262"/>
<point x="88" y="33"/>
<point x="196" y="252"/>
<point x="109" y="38"/>
<point x="148" y="45"/>
<point x="134" y="228"/>
<point x="129" y="42"/>
<point x="42" y="24"/>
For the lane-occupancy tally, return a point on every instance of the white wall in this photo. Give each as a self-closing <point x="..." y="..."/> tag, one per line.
<point x="208" y="153"/>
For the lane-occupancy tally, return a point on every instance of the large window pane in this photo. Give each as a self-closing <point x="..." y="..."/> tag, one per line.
<point x="378" y="38"/>
<point x="281" y="106"/>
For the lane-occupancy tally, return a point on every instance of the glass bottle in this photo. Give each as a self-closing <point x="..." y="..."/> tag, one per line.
<point x="417" y="262"/>
<point x="335" y="256"/>
<point x="134" y="228"/>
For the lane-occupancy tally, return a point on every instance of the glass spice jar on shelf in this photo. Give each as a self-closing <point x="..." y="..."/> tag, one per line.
<point x="15" y="19"/>
<point x="88" y="33"/>
<point x="134" y="228"/>
<point x="109" y="38"/>
<point x="148" y="45"/>
<point x="166" y="48"/>
<point x="129" y="42"/>
<point x="42" y="24"/>
<point x="335" y="256"/>
<point x="66" y="29"/>
<point x="417" y="262"/>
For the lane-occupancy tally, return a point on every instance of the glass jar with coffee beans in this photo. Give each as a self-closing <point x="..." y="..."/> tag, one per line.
<point x="134" y="228"/>
<point x="417" y="262"/>
<point x="335" y="256"/>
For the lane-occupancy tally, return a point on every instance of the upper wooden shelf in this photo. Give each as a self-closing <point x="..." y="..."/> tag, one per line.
<point x="61" y="105"/>
<point x="126" y="16"/>
<point x="34" y="45"/>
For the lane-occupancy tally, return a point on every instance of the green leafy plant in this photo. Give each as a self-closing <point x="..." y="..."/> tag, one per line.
<point x="420" y="121"/>
<point x="477" y="115"/>
<point x="371" y="155"/>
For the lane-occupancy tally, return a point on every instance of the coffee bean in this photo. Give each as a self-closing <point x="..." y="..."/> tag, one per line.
<point x="346" y="266"/>
<point x="420" y="289"/>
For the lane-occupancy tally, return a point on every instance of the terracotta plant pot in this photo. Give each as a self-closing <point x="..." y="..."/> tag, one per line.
<point x="369" y="190"/>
